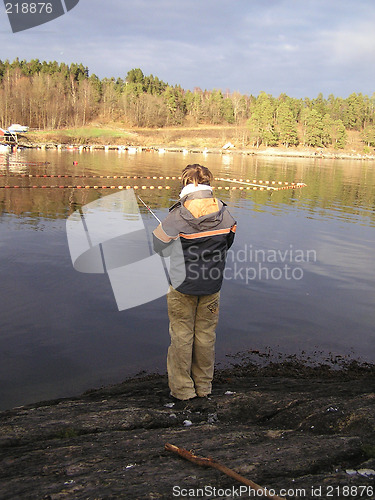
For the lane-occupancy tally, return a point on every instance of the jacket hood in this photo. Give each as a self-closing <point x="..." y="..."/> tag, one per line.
<point x="205" y="222"/>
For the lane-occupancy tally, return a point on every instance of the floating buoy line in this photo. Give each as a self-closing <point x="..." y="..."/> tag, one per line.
<point x="84" y="187"/>
<point x="247" y="184"/>
<point x="224" y="188"/>
<point x="26" y="163"/>
<point x="269" y="185"/>
<point x="58" y="176"/>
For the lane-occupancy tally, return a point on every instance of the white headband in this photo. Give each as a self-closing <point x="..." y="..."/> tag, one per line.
<point x="192" y="188"/>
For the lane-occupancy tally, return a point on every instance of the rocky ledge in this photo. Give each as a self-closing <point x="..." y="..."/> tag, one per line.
<point x="298" y="432"/>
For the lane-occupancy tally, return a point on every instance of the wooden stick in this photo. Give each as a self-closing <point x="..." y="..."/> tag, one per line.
<point x="210" y="462"/>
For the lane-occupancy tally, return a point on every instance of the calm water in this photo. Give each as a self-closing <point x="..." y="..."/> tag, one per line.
<point x="301" y="276"/>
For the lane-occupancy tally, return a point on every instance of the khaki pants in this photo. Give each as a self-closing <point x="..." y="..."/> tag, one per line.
<point x="191" y="355"/>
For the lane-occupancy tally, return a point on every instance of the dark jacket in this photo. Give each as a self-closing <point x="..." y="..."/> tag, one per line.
<point x="205" y="231"/>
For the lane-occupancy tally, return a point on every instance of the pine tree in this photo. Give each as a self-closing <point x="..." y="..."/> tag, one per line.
<point x="338" y="134"/>
<point x="354" y="112"/>
<point x="228" y="111"/>
<point x="327" y="123"/>
<point x="262" y="122"/>
<point x="175" y="103"/>
<point x="287" y="125"/>
<point x="254" y="124"/>
<point x="135" y="76"/>
<point x="313" y="129"/>
<point x="319" y="104"/>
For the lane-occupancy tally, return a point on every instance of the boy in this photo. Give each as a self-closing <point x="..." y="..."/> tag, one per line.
<point x="205" y="230"/>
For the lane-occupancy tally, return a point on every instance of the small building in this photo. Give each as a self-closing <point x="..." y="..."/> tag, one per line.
<point x="8" y="137"/>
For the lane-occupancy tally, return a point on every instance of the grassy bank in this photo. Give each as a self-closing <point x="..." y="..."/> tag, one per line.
<point x="207" y="136"/>
<point x="81" y="135"/>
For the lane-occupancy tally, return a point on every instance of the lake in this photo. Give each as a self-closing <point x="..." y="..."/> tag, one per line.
<point x="300" y="277"/>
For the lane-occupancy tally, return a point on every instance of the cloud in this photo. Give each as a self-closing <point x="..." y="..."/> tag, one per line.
<point x="353" y="44"/>
<point x="301" y="48"/>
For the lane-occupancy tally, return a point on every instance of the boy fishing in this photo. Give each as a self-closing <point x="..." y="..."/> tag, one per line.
<point x="205" y="230"/>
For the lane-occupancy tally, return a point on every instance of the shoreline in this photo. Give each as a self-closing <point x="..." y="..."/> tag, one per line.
<point x="200" y="139"/>
<point x="162" y="149"/>
<point x="285" y="426"/>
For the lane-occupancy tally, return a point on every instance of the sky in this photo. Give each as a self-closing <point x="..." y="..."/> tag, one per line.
<point x="297" y="47"/>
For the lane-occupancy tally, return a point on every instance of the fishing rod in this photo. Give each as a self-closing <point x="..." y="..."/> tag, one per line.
<point x="149" y="242"/>
<point x="149" y="209"/>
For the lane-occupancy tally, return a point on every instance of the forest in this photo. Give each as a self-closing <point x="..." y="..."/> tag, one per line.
<point x="51" y="96"/>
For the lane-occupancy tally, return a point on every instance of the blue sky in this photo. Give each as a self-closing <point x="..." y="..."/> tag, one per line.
<point x="300" y="47"/>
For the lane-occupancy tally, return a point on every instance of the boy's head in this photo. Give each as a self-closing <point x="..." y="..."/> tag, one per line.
<point x="196" y="174"/>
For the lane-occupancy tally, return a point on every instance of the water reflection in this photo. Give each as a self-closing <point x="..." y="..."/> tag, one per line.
<point x="60" y="331"/>
<point x="337" y="186"/>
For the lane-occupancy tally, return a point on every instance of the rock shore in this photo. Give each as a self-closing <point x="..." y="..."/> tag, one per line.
<point x="301" y="432"/>
<point x="317" y="153"/>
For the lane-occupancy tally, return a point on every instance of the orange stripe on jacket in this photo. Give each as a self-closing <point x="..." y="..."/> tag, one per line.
<point x="205" y="234"/>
